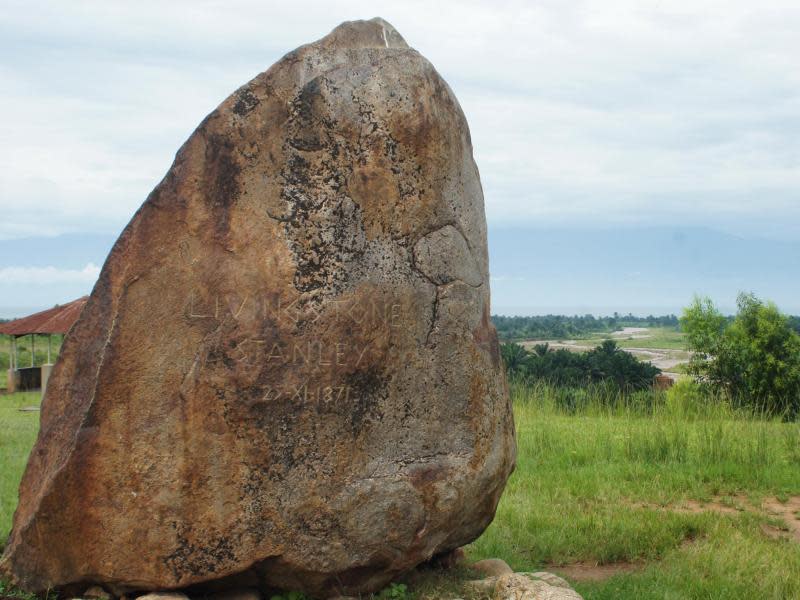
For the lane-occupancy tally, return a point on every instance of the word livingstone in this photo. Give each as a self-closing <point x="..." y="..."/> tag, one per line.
<point x="290" y="311"/>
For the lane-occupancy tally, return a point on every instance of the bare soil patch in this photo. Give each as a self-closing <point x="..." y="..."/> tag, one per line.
<point x="593" y="572"/>
<point x="787" y="512"/>
<point x="694" y="507"/>
<point x="632" y="333"/>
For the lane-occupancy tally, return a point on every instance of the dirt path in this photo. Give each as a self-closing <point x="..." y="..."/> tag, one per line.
<point x="583" y="571"/>
<point x="787" y="513"/>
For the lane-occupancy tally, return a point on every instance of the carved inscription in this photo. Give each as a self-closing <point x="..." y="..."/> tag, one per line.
<point x="288" y="311"/>
<point x="305" y="393"/>
<point x="303" y="355"/>
<point x="319" y="364"/>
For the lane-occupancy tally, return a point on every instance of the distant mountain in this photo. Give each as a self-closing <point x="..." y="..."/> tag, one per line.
<point x="534" y="271"/>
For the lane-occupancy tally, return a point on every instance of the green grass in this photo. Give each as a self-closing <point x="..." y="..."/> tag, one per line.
<point x="659" y="338"/>
<point x="17" y="435"/>
<point x="666" y="338"/>
<point x="596" y="486"/>
<point x="586" y="486"/>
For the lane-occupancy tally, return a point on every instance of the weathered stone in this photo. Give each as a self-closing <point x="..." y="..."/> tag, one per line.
<point x="521" y="586"/>
<point x="481" y="586"/>
<point x="163" y="596"/>
<point x="492" y="567"/>
<point x="97" y="593"/>
<point x="287" y="366"/>
<point x="550" y="578"/>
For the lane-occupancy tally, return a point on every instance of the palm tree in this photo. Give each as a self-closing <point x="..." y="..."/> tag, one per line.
<point x="514" y="357"/>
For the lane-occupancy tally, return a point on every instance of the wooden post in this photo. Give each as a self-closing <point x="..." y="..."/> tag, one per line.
<point x="16" y="354"/>
<point x="12" y="366"/>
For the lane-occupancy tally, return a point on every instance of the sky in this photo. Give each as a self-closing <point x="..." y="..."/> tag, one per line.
<point x="603" y="117"/>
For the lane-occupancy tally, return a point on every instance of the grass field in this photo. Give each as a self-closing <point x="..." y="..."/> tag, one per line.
<point x="669" y="338"/>
<point x="614" y="488"/>
<point x="17" y="434"/>
<point x="657" y="337"/>
<point x="667" y="502"/>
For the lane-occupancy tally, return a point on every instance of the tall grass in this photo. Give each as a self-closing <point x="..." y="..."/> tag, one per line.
<point x="680" y="425"/>
<point x="17" y="434"/>
<point x="594" y="465"/>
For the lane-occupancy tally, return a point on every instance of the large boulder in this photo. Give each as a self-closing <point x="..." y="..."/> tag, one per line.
<point x="286" y="372"/>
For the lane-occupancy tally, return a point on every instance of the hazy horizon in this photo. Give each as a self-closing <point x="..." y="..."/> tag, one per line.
<point x="534" y="271"/>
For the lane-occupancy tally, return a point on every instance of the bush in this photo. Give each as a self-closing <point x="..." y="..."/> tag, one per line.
<point x="755" y="358"/>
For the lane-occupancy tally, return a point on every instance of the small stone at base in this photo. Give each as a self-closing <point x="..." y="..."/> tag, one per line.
<point x="492" y="567"/>
<point x="163" y="596"/>
<point x="97" y="593"/>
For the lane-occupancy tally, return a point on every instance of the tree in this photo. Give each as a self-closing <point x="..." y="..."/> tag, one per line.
<point x="541" y="349"/>
<point x="514" y="357"/>
<point x="605" y="364"/>
<point x="609" y="362"/>
<point x="755" y="357"/>
<point x="704" y="326"/>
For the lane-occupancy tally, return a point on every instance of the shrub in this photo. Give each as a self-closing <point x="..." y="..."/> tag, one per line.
<point x="755" y="358"/>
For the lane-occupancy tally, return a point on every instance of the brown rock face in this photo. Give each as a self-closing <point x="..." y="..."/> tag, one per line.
<point x="286" y="373"/>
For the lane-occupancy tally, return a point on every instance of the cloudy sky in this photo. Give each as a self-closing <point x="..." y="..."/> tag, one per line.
<point x="596" y="115"/>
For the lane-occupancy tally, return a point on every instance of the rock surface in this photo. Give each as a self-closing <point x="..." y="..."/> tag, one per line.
<point x="492" y="567"/>
<point x="96" y="593"/>
<point x="164" y="596"/>
<point x="526" y="586"/>
<point x="550" y="578"/>
<point x="287" y="367"/>
<point x="522" y="586"/>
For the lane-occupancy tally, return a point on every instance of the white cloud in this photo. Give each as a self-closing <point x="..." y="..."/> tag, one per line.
<point x="602" y="111"/>
<point x="10" y="276"/>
